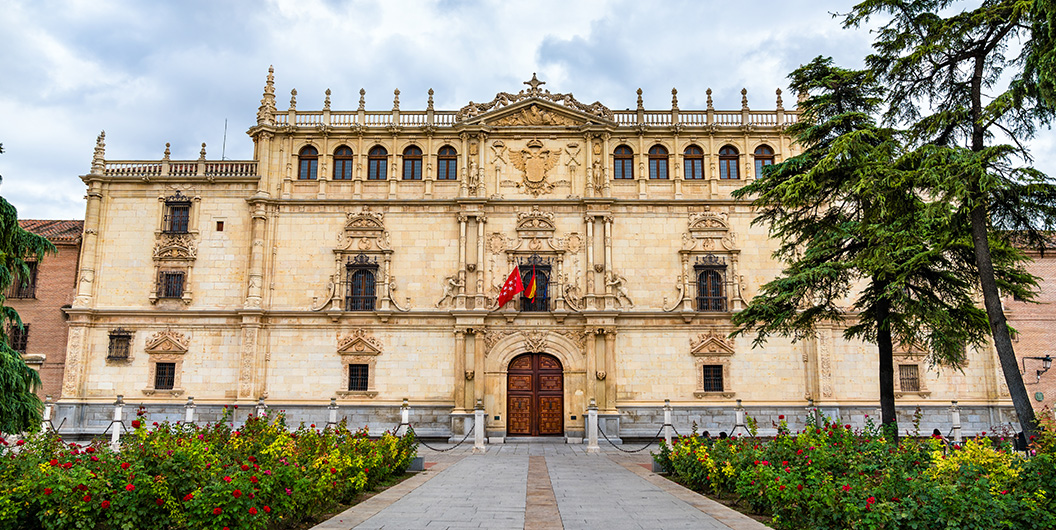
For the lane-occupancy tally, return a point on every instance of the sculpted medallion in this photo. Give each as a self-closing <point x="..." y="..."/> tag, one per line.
<point x="534" y="162"/>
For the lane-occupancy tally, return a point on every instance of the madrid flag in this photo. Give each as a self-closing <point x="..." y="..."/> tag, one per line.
<point x="512" y="286"/>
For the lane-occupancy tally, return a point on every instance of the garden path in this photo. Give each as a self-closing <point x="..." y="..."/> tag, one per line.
<point x="538" y="486"/>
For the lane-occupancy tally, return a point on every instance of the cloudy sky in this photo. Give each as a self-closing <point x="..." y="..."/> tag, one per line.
<point x="155" y="72"/>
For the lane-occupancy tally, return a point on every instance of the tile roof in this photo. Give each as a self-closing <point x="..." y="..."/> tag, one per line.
<point x="57" y="231"/>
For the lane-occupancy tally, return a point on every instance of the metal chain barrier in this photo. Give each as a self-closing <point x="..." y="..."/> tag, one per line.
<point x="651" y="442"/>
<point x="419" y="440"/>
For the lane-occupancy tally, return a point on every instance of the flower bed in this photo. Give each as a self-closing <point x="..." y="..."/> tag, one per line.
<point x="183" y="476"/>
<point x="830" y="477"/>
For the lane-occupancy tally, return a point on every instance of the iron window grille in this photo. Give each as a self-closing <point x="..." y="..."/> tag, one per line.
<point x="343" y="163"/>
<point x="24" y="287"/>
<point x="412" y="163"/>
<point x="358" y="376"/>
<point x="541" y="266"/>
<point x="376" y="162"/>
<point x="120" y="344"/>
<point x="164" y="376"/>
<point x="713" y="378"/>
<point x="710" y="272"/>
<point x="18" y="338"/>
<point x="177" y="213"/>
<point x="360" y="288"/>
<point x="623" y="163"/>
<point x="308" y="164"/>
<point x="448" y="164"/>
<point x="909" y="377"/>
<point x="170" y="284"/>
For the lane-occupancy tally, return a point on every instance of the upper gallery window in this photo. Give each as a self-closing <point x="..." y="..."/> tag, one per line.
<point x="694" y="162"/>
<point x="308" y="163"/>
<point x="657" y="162"/>
<point x="412" y="163"/>
<point x="623" y="163"/>
<point x="728" y="163"/>
<point x="447" y="164"/>
<point x="177" y="213"/>
<point x="376" y="162"/>
<point x="343" y="163"/>
<point x="764" y="156"/>
<point x="24" y="287"/>
<point x="360" y="290"/>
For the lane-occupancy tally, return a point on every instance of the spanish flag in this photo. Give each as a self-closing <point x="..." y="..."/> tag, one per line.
<point x="529" y="292"/>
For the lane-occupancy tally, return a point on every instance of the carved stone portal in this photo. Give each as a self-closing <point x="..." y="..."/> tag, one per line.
<point x="534" y="162"/>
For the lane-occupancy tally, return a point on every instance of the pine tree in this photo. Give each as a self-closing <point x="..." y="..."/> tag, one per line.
<point x="946" y="71"/>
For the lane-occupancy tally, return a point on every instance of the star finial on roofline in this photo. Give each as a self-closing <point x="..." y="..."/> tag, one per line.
<point x="534" y="83"/>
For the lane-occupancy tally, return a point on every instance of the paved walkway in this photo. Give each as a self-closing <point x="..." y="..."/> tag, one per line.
<point x="538" y="486"/>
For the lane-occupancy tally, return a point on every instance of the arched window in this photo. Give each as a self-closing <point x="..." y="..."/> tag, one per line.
<point x="764" y="156"/>
<point x="343" y="163"/>
<point x="693" y="161"/>
<point x="412" y="163"/>
<point x="623" y="163"/>
<point x="657" y="162"/>
<point x="360" y="277"/>
<point x="377" y="160"/>
<point x="308" y="163"/>
<point x="447" y="164"/>
<point x="728" y="163"/>
<point x="710" y="271"/>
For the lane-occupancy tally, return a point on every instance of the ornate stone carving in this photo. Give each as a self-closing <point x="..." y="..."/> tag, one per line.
<point x="708" y="221"/>
<point x="534" y="161"/>
<point x="711" y="343"/>
<point x="533" y="115"/>
<point x="167" y="342"/>
<point x="176" y="247"/>
<point x="496" y="243"/>
<point x="365" y="230"/>
<point x="619" y="290"/>
<point x="535" y="223"/>
<point x="505" y="99"/>
<point x="452" y="284"/>
<point x="600" y="375"/>
<point x="245" y="377"/>
<point x="535" y="341"/>
<point x="359" y="343"/>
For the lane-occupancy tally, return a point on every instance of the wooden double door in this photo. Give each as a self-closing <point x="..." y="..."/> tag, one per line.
<point x="535" y="396"/>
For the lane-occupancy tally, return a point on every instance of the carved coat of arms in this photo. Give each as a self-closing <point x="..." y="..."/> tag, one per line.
<point x="534" y="161"/>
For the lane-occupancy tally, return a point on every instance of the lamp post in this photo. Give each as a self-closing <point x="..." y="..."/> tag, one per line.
<point x="1046" y="364"/>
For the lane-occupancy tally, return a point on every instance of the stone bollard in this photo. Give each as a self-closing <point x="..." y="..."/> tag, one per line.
<point x="45" y="422"/>
<point x="117" y="425"/>
<point x="405" y="416"/>
<point x="592" y="427"/>
<point x="739" y="423"/>
<point x="188" y="410"/>
<point x="261" y="407"/>
<point x="478" y="429"/>
<point x="955" y="418"/>
<point x="331" y="419"/>
<point x="667" y="422"/>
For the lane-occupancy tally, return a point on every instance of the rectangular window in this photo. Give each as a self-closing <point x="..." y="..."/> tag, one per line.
<point x="170" y="284"/>
<point x="658" y="168"/>
<point x="24" y="287"/>
<point x="541" y="302"/>
<point x="120" y="344"/>
<point x="623" y="169"/>
<point x="412" y="169"/>
<point x="164" y="376"/>
<point x="18" y="338"/>
<point x="447" y="170"/>
<point x="909" y="377"/>
<point x="360" y="283"/>
<point x="177" y="217"/>
<point x="760" y="163"/>
<point x="219" y="226"/>
<point x="358" y="375"/>
<point x="713" y="378"/>
<point x="694" y="169"/>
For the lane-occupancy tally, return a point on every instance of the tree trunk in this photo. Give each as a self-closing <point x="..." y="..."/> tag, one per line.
<point x="885" y="348"/>
<point x="999" y="325"/>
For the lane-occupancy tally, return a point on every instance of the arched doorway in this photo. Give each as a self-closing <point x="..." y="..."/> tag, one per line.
<point x="535" y="396"/>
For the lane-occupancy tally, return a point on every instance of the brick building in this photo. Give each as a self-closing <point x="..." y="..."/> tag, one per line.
<point x="40" y="302"/>
<point x="1036" y="324"/>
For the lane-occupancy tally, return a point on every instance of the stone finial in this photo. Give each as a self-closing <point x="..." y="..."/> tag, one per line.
<point x="430" y="106"/>
<point x="710" y="106"/>
<point x="362" y="99"/>
<point x="98" y="159"/>
<point x="266" y="112"/>
<point x="201" y="154"/>
<point x="533" y="85"/>
<point x="744" y="99"/>
<point x="396" y="99"/>
<point x="640" y="105"/>
<point x="293" y="99"/>
<point x="674" y="99"/>
<point x="780" y="103"/>
<point x="326" y="102"/>
<point x="167" y="151"/>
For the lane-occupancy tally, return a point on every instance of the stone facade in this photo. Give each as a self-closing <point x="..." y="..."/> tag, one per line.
<point x="41" y="303"/>
<point x="360" y="254"/>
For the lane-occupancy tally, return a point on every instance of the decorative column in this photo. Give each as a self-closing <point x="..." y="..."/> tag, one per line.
<point x="588" y="296"/>
<point x="592" y="363"/>
<point x="460" y="371"/>
<point x="463" y="185"/>
<point x="460" y="302"/>
<point x="606" y="156"/>
<point x="254" y="293"/>
<point x="478" y="364"/>
<point x="91" y="225"/>
<point x="480" y="301"/>
<point x="609" y="297"/>
<point x="610" y="370"/>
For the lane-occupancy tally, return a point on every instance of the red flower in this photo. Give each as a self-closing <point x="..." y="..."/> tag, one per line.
<point x="252" y="511"/>
<point x="217" y="511"/>
<point x="332" y="470"/>
<point x="781" y="487"/>
<point x="237" y="493"/>
<point x="95" y="458"/>
<point x="136" y="424"/>
<point x="105" y="504"/>
<point x="267" y="509"/>
<point x="245" y="467"/>
<point x="799" y="452"/>
<point x="253" y="479"/>
<point x="252" y="459"/>
<point x="799" y="487"/>
<point x="227" y="479"/>
<point x="188" y="497"/>
<point x="124" y="465"/>
<point x="47" y="491"/>
<point x="313" y="425"/>
<point x="87" y="498"/>
<point x="130" y="487"/>
<point x="67" y="465"/>
<point x="20" y="442"/>
<point x="870" y="500"/>
<point x="781" y="417"/>
<point x="159" y="502"/>
<point x="82" y="487"/>
<point x="90" y="450"/>
<point x="53" y="462"/>
<point x="848" y="426"/>
<point x="846" y="488"/>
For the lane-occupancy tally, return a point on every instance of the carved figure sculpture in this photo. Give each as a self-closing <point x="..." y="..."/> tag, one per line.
<point x="451" y="286"/>
<point x="616" y="282"/>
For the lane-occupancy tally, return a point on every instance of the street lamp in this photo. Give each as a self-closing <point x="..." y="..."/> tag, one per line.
<point x="1046" y="364"/>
